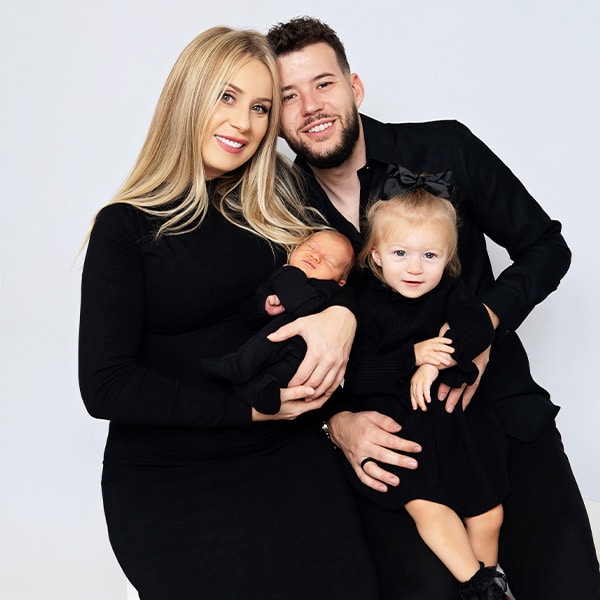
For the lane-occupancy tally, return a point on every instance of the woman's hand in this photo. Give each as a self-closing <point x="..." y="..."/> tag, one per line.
<point x="328" y="336"/>
<point x="370" y="434"/>
<point x="293" y="404"/>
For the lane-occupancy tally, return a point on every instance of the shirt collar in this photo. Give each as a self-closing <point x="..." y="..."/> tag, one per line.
<point x="379" y="141"/>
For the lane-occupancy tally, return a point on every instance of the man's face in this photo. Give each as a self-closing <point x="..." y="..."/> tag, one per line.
<point x="320" y="119"/>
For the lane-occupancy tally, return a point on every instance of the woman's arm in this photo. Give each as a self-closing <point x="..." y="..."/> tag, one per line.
<point x="115" y="381"/>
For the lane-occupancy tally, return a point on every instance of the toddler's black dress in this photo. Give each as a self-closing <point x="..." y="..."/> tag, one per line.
<point x="463" y="461"/>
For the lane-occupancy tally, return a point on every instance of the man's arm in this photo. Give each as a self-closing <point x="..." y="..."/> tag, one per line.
<point x="499" y="205"/>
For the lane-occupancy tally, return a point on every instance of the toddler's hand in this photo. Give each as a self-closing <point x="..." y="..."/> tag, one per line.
<point x="420" y="386"/>
<point x="435" y="351"/>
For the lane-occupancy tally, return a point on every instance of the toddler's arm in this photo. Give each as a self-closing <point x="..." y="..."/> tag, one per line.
<point x="420" y="386"/>
<point x="435" y="351"/>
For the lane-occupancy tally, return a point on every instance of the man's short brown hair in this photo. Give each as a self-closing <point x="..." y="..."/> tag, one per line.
<point x="304" y="31"/>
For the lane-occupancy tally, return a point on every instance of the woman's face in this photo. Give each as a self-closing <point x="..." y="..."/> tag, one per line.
<point x="240" y="120"/>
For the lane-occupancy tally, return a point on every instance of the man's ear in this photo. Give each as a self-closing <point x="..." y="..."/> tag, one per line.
<point x="358" y="88"/>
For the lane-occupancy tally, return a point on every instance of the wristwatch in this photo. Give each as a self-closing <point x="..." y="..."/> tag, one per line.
<point x="325" y="430"/>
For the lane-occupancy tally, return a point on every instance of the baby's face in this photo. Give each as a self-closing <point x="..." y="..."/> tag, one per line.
<point x="324" y="255"/>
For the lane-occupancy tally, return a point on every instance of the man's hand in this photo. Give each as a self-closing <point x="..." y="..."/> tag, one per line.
<point x="452" y="395"/>
<point x="328" y="336"/>
<point x="370" y="434"/>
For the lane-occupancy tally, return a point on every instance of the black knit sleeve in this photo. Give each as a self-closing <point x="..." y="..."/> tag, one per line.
<point x="503" y="209"/>
<point x="374" y="368"/>
<point x="299" y="294"/>
<point x="114" y="380"/>
<point x="471" y="332"/>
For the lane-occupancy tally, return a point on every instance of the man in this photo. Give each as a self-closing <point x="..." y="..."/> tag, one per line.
<point x="546" y="545"/>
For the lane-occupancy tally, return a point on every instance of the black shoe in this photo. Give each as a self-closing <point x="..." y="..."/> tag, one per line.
<point x="486" y="584"/>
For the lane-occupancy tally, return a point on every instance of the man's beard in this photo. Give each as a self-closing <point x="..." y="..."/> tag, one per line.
<point x="336" y="156"/>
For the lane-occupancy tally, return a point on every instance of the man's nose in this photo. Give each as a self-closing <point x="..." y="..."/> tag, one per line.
<point x="311" y="103"/>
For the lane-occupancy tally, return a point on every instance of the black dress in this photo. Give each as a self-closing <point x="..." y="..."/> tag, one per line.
<point x="463" y="462"/>
<point x="201" y="502"/>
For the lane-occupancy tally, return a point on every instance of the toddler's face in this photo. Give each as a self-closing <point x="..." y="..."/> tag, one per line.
<point x="413" y="258"/>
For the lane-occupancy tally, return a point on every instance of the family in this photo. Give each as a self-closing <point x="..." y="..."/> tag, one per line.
<point x="313" y="381"/>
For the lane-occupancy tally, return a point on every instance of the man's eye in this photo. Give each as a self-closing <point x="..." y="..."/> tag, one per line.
<point x="288" y="97"/>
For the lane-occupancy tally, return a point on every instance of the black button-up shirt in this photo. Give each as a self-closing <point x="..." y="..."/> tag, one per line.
<point x="490" y="201"/>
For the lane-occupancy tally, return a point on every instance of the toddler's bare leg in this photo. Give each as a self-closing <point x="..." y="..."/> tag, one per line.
<point x="444" y="532"/>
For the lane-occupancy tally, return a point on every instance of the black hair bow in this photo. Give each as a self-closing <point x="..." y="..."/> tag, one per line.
<point x="400" y="180"/>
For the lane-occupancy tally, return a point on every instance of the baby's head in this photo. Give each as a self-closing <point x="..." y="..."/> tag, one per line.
<point x="411" y="241"/>
<point x="325" y="254"/>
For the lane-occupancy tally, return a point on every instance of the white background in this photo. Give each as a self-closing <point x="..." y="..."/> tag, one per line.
<point x="79" y="84"/>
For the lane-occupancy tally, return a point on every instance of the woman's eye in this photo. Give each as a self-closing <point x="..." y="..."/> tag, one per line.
<point x="261" y="109"/>
<point x="227" y="98"/>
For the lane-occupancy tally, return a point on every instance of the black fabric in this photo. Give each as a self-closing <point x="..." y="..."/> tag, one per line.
<point x="264" y="526"/>
<point x="463" y="462"/>
<point x="492" y="202"/>
<point x="546" y="548"/>
<point x="261" y="367"/>
<point x="400" y="180"/>
<point x="200" y="502"/>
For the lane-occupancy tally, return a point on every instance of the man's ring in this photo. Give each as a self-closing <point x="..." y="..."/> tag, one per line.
<point x="364" y="461"/>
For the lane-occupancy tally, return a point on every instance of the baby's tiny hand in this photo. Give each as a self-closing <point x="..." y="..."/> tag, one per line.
<point x="273" y="306"/>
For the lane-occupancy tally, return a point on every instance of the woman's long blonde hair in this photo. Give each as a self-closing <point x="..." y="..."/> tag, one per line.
<point x="262" y="196"/>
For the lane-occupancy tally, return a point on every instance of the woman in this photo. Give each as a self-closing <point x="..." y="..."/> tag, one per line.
<point x="204" y="496"/>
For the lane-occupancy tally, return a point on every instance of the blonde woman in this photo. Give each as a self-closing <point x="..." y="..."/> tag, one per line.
<point x="204" y="496"/>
